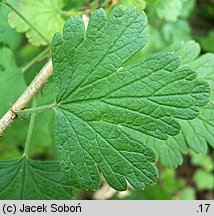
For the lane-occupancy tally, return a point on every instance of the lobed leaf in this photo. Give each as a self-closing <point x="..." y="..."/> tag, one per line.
<point x="199" y="131"/>
<point x="100" y="100"/>
<point x="196" y="133"/>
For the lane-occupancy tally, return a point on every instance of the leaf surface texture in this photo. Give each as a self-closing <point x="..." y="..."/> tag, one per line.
<point x="100" y="100"/>
<point x="24" y="179"/>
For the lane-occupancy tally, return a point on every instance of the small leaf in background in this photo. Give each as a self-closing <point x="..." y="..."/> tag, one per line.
<point x="188" y="7"/>
<point x="139" y="4"/>
<point x="175" y="32"/>
<point x="164" y="35"/>
<point x="207" y="42"/>
<point x="24" y="179"/>
<point x="203" y="160"/>
<point x="8" y="36"/>
<point x="100" y="101"/>
<point x="199" y="131"/>
<point x="12" y="82"/>
<point x="204" y="180"/>
<point x="171" y="10"/>
<point x="44" y="15"/>
<point x="187" y="193"/>
<point x="169" y="152"/>
<point x="168" y="10"/>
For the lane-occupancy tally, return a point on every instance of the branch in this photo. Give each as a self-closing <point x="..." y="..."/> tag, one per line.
<point x="35" y="86"/>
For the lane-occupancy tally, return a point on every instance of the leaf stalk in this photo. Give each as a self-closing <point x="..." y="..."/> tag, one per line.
<point x="29" y="133"/>
<point x="34" y="110"/>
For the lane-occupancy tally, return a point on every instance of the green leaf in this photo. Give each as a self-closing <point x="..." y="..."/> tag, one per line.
<point x="203" y="160"/>
<point x="188" y="7"/>
<point x="204" y="180"/>
<point x="168" y="10"/>
<point x="198" y="132"/>
<point x="169" y="152"/>
<point x="100" y="100"/>
<point x="12" y="82"/>
<point x="8" y="35"/>
<point x="26" y="180"/>
<point x="164" y="35"/>
<point x="207" y="42"/>
<point x="188" y="51"/>
<point x="186" y="193"/>
<point x="139" y="4"/>
<point x="171" y="10"/>
<point x="43" y="14"/>
<point x="175" y="32"/>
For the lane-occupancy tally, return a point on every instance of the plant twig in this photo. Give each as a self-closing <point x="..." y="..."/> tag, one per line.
<point x="35" y="86"/>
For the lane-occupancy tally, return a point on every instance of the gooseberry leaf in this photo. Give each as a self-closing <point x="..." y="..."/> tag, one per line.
<point x="44" y="15"/>
<point x="198" y="132"/>
<point x="169" y="152"/>
<point x="100" y="100"/>
<point x="24" y="179"/>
